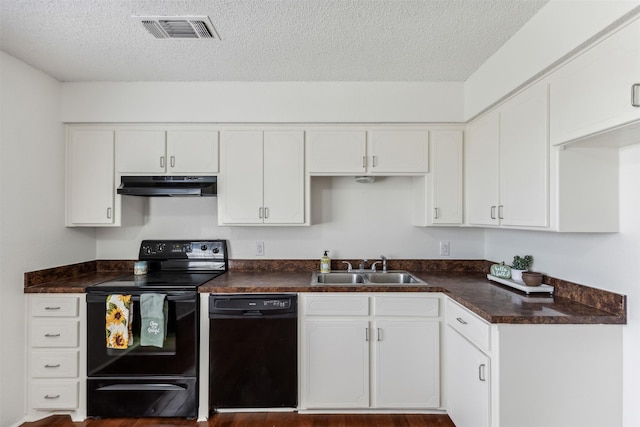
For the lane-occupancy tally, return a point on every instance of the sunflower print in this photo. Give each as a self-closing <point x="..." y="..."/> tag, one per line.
<point x="118" y="314"/>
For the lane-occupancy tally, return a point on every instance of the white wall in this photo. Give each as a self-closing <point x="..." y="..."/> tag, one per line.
<point x="257" y="102"/>
<point x="32" y="229"/>
<point x="557" y="29"/>
<point x="351" y="220"/>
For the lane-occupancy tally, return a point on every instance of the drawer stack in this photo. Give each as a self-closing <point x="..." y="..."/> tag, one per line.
<point x="54" y="341"/>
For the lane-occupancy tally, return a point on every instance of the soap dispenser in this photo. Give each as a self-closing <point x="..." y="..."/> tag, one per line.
<point x="325" y="263"/>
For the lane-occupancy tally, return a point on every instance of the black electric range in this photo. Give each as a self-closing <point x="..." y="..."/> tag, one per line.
<point x="172" y="265"/>
<point x="151" y="380"/>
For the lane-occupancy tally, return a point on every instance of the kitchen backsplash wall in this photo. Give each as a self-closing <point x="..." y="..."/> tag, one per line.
<point x="349" y="219"/>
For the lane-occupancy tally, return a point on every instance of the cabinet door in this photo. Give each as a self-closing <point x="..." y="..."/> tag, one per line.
<point x="407" y="368"/>
<point x="240" y="183"/>
<point x="524" y="164"/>
<point x="467" y="382"/>
<point x="284" y="177"/>
<point x="90" y="177"/>
<point x="336" y="152"/>
<point x="192" y="152"/>
<point x="398" y="152"/>
<point x="141" y="151"/>
<point x="446" y="177"/>
<point x="482" y="171"/>
<point x="335" y="364"/>
<point x="592" y="92"/>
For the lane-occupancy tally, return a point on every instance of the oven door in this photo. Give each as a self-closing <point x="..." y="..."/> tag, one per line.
<point x="177" y="357"/>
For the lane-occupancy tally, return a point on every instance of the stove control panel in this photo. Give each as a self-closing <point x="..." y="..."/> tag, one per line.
<point x="182" y="249"/>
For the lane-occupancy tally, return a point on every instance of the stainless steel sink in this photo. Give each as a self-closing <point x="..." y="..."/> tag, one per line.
<point x="342" y="278"/>
<point x="392" y="277"/>
<point x="364" y="278"/>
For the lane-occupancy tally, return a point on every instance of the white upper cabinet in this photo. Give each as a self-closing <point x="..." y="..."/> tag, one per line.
<point x="398" y="151"/>
<point x="599" y="90"/>
<point x="90" y="178"/>
<point x="524" y="164"/>
<point x="160" y="152"/>
<point x="375" y="152"/>
<point x="445" y="178"/>
<point x="192" y="152"/>
<point x="482" y="170"/>
<point x="336" y="152"/>
<point x="262" y="178"/>
<point x="507" y="163"/>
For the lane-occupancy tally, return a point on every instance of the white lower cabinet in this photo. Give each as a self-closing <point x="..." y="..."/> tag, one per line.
<point x="56" y="355"/>
<point x="370" y="351"/>
<point x="531" y="375"/>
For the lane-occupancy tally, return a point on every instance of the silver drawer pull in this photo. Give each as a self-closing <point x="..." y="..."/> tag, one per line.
<point x="51" y="335"/>
<point x="52" y="366"/>
<point x="57" y="396"/>
<point x="635" y="95"/>
<point x="461" y="320"/>
<point x="481" y="373"/>
<point x="53" y="308"/>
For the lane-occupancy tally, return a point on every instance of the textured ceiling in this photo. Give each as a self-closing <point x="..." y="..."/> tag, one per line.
<point x="263" y="40"/>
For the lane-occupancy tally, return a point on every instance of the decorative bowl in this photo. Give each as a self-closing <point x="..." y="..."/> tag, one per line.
<point x="532" y="279"/>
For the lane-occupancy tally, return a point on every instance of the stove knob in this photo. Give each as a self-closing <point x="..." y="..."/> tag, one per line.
<point x="203" y="248"/>
<point x="215" y="250"/>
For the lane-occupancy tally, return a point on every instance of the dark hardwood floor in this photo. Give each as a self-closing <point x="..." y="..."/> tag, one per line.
<point x="262" y="419"/>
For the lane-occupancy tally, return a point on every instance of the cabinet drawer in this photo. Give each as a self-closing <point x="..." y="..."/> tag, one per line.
<point x="406" y="305"/>
<point x="49" y="364"/>
<point x="336" y="305"/>
<point x="49" y="306"/>
<point x="54" y="333"/>
<point x="468" y="324"/>
<point x="54" y="394"/>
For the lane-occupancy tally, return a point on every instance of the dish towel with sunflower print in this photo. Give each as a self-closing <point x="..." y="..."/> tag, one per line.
<point x="153" y="314"/>
<point x="118" y="321"/>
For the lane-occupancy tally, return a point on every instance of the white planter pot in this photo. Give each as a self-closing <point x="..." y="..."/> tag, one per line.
<point x="516" y="275"/>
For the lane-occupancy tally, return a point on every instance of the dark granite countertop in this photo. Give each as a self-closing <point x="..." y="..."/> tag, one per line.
<point x="571" y="303"/>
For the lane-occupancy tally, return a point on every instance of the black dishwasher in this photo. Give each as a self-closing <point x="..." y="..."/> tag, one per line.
<point x="253" y="341"/>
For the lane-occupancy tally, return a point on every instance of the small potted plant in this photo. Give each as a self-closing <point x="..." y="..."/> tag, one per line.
<point x="519" y="265"/>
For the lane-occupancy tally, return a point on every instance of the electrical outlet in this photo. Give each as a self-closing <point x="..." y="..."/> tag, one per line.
<point x="444" y="248"/>
<point x="259" y="248"/>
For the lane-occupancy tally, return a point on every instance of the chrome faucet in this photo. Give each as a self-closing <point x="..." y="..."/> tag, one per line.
<point x="362" y="264"/>
<point x="349" y="268"/>
<point x="373" y="266"/>
<point x="384" y="263"/>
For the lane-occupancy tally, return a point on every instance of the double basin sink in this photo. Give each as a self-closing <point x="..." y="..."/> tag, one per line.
<point x="392" y="277"/>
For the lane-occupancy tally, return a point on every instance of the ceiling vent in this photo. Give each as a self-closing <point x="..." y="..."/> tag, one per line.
<point x="179" y="27"/>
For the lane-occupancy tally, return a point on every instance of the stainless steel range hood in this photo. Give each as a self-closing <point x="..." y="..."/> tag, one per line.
<point x="168" y="186"/>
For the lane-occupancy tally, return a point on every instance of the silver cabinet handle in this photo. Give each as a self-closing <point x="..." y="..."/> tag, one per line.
<point x="493" y="212"/>
<point x="260" y="212"/>
<point x="161" y="161"/>
<point x="366" y="334"/>
<point x="375" y="163"/>
<point x="635" y="95"/>
<point x="51" y="335"/>
<point x="379" y="334"/>
<point x="173" y="161"/>
<point x="461" y="320"/>
<point x="57" y="396"/>
<point x="364" y="161"/>
<point x="52" y="308"/>
<point x="266" y="212"/>
<point x="109" y="211"/>
<point x="52" y="366"/>
<point x="481" y="372"/>
<point x="436" y="213"/>
<point x="500" y="208"/>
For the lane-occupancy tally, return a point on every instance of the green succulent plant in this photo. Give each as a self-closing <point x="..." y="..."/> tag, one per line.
<point x="522" y="263"/>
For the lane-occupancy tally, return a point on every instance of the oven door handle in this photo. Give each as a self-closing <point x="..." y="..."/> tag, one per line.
<point x="142" y="387"/>
<point x="101" y="296"/>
